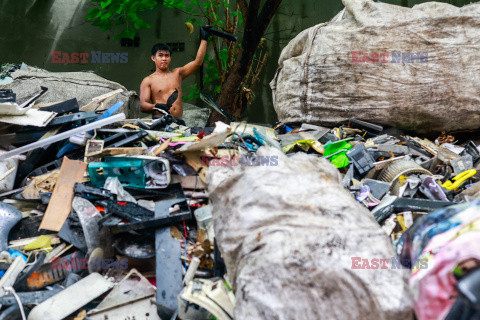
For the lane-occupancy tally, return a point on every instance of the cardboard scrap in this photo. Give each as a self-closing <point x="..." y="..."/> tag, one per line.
<point x="44" y="183"/>
<point x="60" y="204"/>
<point x="94" y="147"/>
<point x="100" y="102"/>
<point x="189" y="182"/>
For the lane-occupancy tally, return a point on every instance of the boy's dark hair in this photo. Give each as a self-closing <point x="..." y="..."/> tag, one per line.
<point x="162" y="47"/>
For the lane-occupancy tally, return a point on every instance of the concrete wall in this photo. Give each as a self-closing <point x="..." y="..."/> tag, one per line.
<point x="31" y="29"/>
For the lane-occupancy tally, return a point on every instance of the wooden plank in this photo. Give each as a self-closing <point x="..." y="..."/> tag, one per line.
<point x="162" y="147"/>
<point x="130" y="151"/>
<point x="60" y="203"/>
<point x="194" y="160"/>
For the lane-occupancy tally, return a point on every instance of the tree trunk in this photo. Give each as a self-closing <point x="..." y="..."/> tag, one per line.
<point x="255" y="26"/>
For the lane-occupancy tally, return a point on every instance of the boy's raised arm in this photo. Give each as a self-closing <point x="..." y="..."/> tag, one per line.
<point x="193" y="66"/>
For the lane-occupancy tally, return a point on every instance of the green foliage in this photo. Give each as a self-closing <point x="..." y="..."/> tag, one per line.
<point x="221" y="15"/>
<point x="122" y="15"/>
<point x="178" y="4"/>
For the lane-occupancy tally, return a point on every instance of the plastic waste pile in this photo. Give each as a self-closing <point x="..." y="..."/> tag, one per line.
<point x="102" y="216"/>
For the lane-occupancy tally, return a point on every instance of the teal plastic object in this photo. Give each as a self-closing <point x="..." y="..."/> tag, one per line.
<point x="130" y="172"/>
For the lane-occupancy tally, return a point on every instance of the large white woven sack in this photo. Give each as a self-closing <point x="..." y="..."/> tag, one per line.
<point x="319" y="82"/>
<point x="288" y="233"/>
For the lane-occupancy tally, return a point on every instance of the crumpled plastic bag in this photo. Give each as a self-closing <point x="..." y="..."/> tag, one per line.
<point x="114" y="186"/>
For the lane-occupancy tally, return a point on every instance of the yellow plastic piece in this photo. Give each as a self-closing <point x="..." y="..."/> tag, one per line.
<point x="459" y="179"/>
<point x="401" y="221"/>
<point x="305" y="145"/>
<point x="42" y="242"/>
<point x="402" y="180"/>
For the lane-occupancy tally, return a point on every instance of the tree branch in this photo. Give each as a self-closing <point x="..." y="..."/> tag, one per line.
<point x="251" y="18"/>
<point x="227" y="16"/>
<point x="260" y="66"/>
<point x="242" y="4"/>
<point x="235" y="20"/>
<point x="267" y="13"/>
<point x="257" y="18"/>
<point x="212" y="11"/>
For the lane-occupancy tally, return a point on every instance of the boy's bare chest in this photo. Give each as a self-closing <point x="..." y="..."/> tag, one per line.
<point x="164" y="84"/>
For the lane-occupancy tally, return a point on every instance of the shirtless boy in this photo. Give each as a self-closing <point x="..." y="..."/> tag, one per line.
<point x="157" y="87"/>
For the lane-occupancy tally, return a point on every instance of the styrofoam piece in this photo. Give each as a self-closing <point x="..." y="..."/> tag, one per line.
<point x="63" y="135"/>
<point x="12" y="109"/>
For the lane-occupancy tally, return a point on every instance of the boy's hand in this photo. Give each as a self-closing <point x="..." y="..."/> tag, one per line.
<point x="204" y="33"/>
<point x="162" y="107"/>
